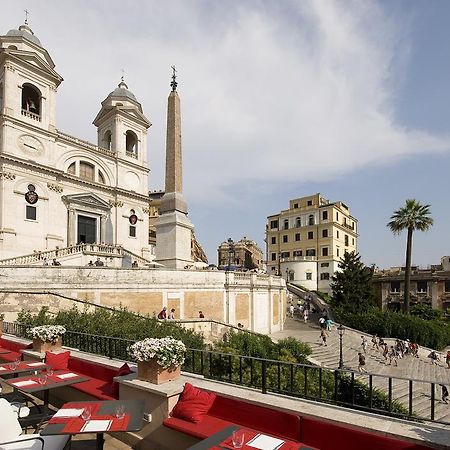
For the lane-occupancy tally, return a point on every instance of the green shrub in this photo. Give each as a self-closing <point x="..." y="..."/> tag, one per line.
<point x="428" y="333"/>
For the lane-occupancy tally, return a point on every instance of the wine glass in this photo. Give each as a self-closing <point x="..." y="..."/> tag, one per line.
<point x="50" y="371"/>
<point x="87" y="412"/>
<point x="119" y="411"/>
<point x="42" y="378"/>
<point x="237" y="438"/>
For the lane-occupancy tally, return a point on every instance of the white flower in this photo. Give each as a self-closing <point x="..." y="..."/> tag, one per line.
<point x="168" y="351"/>
<point x="47" y="333"/>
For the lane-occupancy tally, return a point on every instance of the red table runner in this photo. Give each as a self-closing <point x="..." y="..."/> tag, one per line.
<point x="75" y="424"/>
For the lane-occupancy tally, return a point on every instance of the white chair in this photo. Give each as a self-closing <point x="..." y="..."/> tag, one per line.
<point x="11" y="437"/>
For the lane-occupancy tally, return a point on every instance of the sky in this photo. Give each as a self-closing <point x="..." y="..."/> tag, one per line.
<point x="279" y="100"/>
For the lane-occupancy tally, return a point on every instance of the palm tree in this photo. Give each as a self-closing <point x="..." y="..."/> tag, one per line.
<point x="412" y="216"/>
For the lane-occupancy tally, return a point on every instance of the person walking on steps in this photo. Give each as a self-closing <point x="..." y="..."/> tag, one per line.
<point x="385" y="349"/>
<point x="323" y="336"/>
<point x="393" y="356"/>
<point x="305" y="314"/>
<point x="447" y="359"/>
<point x="361" y="363"/>
<point x="364" y="344"/>
<point x="444" y="393"/>
<point x="375" y="342"/>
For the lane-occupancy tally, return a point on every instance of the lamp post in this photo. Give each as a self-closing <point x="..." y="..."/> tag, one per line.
<point x="341" y="331"/>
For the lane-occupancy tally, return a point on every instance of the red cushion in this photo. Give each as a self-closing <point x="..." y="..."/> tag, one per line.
<point x="96" y="388"/>
<point x="92" y="370"/>
<point x="328" y="436"/>
<point x="208" y="426"/>
<point x="114" y="387"/>
<point x="59" y="361"/>
<point x="261" y="418"/>
<point x="11" y="356"/>
<point x="193" y="404"/>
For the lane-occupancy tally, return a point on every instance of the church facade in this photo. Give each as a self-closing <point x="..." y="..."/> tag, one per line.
<point x="57" y="190"/>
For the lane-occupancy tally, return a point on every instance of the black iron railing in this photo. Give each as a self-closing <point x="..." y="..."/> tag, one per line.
<point x="370" y="392"/>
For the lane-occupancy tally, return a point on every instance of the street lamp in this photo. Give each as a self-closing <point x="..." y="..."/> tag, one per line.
<point x="341" y="331"/>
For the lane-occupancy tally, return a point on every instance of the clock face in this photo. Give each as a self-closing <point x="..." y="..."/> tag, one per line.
<point x="29" y="144"/>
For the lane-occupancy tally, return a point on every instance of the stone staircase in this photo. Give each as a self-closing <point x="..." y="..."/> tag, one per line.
<point x="408" y="368"/>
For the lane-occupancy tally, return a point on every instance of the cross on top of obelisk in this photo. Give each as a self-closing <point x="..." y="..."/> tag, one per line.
<point x="26" y="16"/>
<point x="174" y="83"/>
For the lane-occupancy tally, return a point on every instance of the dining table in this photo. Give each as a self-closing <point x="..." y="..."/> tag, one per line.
<point x="222" y="440"/>
<point x="21" y="367"/>
<point x="105" y="416"/>
<point x="42" y="382"/>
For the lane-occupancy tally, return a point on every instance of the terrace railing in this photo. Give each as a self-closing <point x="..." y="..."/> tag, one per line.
<point x="342" y="387"/>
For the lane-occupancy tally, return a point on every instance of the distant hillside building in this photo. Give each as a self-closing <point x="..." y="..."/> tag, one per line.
<point x="430" y="286"/>
<point x="306" y="242"/>
<point x="243" y="254"/>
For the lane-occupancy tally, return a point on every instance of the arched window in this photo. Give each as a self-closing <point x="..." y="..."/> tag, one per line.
<point x="101" y="178"/>
<point x="106" y="142"/>
<point x="311" y="220"/>
<point x="31" y="99"/>
<point x="286" y="224"/>
<point x="72" y="169"/>
<point x="131" y="143"/>
<point x="87" y="171"/>
<point x="298" y="222"/>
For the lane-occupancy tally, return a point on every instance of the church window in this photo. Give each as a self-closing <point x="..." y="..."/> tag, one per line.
<point x="132" y="231"/>
<point x="311" y="220"/>
<point x="131" y="143"/>
<point x="31" y="213"/>
<point x="31" y="100"/>
<point x="71" y="169"/>
<point x="86" y="171"/>
<point x="101" y="178"/>
<point x="106" y="143"/>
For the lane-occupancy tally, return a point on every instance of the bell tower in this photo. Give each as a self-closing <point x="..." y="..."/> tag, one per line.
<point x="27" y="72"/>
<point x="122" y="126"/>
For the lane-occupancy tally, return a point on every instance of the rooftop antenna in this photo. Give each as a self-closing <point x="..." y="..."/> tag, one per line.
<point x="174" y="83"/>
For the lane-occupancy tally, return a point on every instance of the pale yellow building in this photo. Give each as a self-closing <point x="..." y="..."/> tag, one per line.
<point x="306" y="242"/>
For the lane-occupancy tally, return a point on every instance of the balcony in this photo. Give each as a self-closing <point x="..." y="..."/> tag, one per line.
<point x="31" y="115"/>
<point x="324" y="411"/>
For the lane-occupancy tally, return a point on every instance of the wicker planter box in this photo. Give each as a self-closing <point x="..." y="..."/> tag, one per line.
<point x="42" y="347"/>
<point x="152" y="372"/>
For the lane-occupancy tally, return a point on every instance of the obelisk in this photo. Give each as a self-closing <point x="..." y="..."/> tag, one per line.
<point x="173" y="227"/>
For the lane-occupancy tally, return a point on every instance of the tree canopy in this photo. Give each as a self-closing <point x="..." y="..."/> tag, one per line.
<point x="352" y="285"/>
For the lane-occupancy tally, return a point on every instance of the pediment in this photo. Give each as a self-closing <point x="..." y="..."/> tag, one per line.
<point x="129" y="112"/>
<point x="35" y="60"/>
<point x="87" y="200"/>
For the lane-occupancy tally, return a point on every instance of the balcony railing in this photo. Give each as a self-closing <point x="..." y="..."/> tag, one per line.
<point x="335" y="386"/>
<point x="31" y="115"/>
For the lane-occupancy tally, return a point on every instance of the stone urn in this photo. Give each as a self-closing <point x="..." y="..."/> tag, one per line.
<point x="152" y="372"/>
<point x="41" y="346"/>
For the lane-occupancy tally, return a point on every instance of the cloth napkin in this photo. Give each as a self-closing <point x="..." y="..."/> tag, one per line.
<point x="24" y="383"/>
<point x="66" y="375"/>
<point x="36" y="364"/>
<point x="96" y="426"/>
<point x="68" y="412"/>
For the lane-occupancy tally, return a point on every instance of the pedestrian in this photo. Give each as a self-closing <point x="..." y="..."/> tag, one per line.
<point x="322" y="324"/>
<point x="323" y="336"/>
<point x="45" y="263"/>
<point x="55" y="262"/>
<point x="99" y="263"/>
<point x="385" y="351"/>
<point x="291" y="310"/>
<point x="434" y="358"/>
<point x="444" y="393"/>
<point x="375" y="342"/>
<point x="364" y="344"/>
<point x="172" y="314"/>
<point x="447" y="359"/>
<point x="201" y="315"/>
<point x="361" y="363"/>
<point x="163" y="313"/>
<point x="393" y="356"/>
<point x="305" y="315"/>
<point x="328" y="324"/>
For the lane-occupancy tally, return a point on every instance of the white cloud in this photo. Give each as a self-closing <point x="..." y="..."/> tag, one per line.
<point x="280" y="92"/>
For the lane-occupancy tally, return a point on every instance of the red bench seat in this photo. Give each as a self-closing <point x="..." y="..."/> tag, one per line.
<point x="101" y="380"/>
<point x="14" y="349"/>
<point x="226" y="411"/>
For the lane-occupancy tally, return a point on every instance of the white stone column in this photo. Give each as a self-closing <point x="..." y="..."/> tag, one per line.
<point x="71" y="238"/>
<point x="103" y="229"/>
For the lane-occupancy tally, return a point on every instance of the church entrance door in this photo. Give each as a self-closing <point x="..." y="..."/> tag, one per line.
<point x="87" y="230"/>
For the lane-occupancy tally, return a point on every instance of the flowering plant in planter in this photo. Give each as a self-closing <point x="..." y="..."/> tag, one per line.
<point x="168" y="352"/>
<point x="47" y="333"/>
